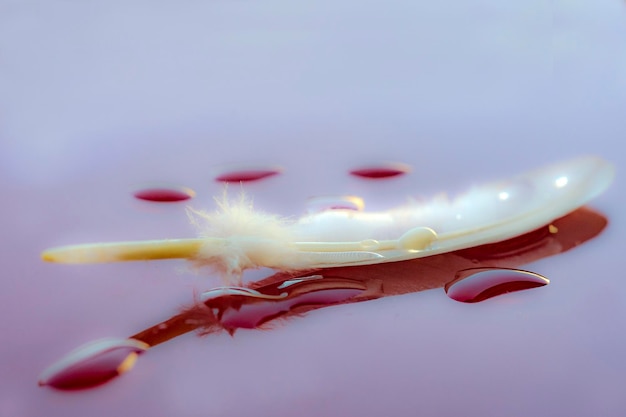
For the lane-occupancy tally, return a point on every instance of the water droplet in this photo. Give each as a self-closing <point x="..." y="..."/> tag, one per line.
<point x="386" y="170"/>
<point x="479" y="284"/>
<point x="164" y="194"/>
<point x="93" y="364"/>
<point x="248" y="174"/>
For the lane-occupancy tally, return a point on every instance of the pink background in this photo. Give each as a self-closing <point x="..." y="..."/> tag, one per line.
<point x="99" y="98"/>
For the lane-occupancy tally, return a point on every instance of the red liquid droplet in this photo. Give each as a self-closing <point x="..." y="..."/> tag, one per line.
<point x="247" y="175"/>
<point x="93" y="365"/>
<point x="475" y="285"/>
<point x="165" y="194"/>
<point x="381" y="171"/>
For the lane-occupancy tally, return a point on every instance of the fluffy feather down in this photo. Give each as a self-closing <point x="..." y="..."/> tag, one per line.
<point x="249" y="239"/>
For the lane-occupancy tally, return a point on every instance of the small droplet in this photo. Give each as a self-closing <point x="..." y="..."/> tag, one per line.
<point x="93" y="364"/>
<point x="164" y="194"/>
<point x="417" y="238"/>
<point x="248" y="174"/>
<point x="387" y="170"/>
<point x="479" y="284"/>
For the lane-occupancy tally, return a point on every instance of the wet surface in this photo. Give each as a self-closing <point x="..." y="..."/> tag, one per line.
<point x="283" y="296"/>
<point x="99" y="98"/>
<point x="280" y="297"/>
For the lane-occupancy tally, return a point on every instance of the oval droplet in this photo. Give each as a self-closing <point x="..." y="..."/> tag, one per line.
<point x="386" y="170"/>
<point x="248" y="174"/>
<point x="479" y="284"/>
<point x="164" y="194"/>
<point x="93" y="364"/>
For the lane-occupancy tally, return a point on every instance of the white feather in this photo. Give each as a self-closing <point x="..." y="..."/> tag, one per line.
<point x="237" y="237"/>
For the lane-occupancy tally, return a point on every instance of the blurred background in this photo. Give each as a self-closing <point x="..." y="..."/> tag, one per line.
<point x="98" y="99"/>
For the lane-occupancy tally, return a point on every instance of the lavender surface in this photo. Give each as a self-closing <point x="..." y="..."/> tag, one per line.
<point x="97" y="99"/>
